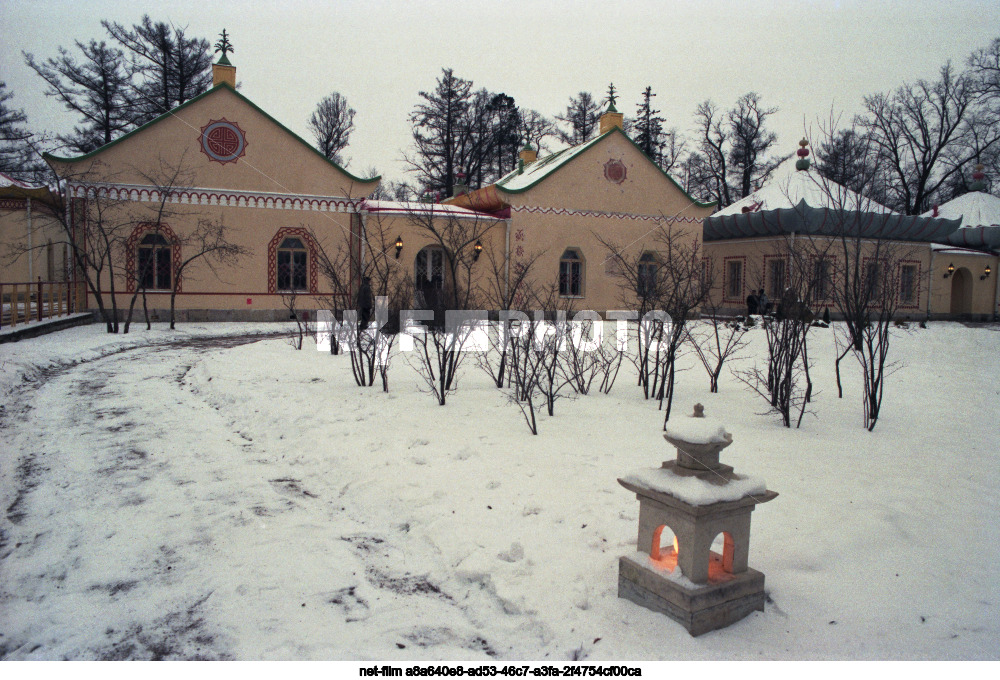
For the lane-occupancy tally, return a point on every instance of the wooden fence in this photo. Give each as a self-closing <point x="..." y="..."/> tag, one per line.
<point x="27" y="302"/>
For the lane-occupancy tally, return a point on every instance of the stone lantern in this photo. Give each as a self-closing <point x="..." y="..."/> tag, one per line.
<point x="697" y="498"/>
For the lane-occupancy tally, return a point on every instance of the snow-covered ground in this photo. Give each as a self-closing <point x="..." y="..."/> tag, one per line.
<point x="247" y="501"/>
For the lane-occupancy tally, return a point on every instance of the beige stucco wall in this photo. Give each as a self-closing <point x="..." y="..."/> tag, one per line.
<point x="46" y="261"/>
<point x="980" y="296"/>
<point x="628" y="214"/>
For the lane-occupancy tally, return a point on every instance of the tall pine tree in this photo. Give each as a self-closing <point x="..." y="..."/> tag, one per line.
<point x="167" y="67"/>
<point x="440" y="133"/>
<point x="581" y="118"/>
<point x="648" y="128"/>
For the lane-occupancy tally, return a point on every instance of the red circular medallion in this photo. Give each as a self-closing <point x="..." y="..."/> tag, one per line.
<point x="223" y="141"/>
<point x="615" y="171"/>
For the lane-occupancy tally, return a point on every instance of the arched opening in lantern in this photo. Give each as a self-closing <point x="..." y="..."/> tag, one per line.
<point x="720" y="557"/>
<point x="663" y="551"/>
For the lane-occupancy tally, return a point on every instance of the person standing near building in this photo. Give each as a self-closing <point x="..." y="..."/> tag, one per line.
<point x="763" y="303"/>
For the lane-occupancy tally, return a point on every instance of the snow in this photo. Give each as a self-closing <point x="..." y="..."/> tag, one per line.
<point x="976" y="208"/>
<point x="416" y="208"/>
<point x="787" y="187"/>
<point x="247" y="501"/>
<point x="705" y="430"/>
<point x="693" y="490"/>
<point x="543" y="167"/>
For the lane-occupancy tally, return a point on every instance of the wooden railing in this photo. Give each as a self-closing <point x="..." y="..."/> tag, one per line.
<point x="24" y="302"/>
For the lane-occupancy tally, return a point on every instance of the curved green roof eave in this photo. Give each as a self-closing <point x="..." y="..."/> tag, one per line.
<point x="189" y="102"/>
<point x="592" y="143"/>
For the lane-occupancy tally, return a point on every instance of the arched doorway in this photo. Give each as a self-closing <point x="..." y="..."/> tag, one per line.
<point x="961" y="292"/>
<point x="429" y="277"/>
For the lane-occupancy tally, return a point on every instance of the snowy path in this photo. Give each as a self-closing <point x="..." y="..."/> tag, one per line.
<point x="230" y="500"/>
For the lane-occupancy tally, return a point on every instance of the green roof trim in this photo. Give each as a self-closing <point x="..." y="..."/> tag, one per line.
<point x="223" y="60"/>
<point x="552" y="158"/>
<point x="189" y="102"/>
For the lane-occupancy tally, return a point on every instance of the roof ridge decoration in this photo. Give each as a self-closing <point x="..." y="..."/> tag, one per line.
<point x="223" y="45"/>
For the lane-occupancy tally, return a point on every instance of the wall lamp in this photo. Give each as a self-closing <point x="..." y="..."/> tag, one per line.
<point x="477" y="250"/>
<point x="951" y="270"/>
<point x="399" y="245"/>
<point x="986" y="273"/>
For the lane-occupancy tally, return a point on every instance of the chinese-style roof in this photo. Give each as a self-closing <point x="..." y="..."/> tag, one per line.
<point x="423" y="209"/>
<point x="15" y="188"/>
<point x="976" y="209"/>
<point x="788" y="187"/>
<point x="827" y="221"/>
<point x="979" y="214"/>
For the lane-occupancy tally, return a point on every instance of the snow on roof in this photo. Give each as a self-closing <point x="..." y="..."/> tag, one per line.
<point x="788" y="187"/>
<point x="693" y="490"/>
<point x="417" y="208"/>
<point x="976" y="208"/>
<point x="535" y="172"/>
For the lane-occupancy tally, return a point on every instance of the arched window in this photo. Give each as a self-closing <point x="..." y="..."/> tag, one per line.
<point x="154" y="262"/>
<point x="571" y="273"/>
<point x="293" y="265"/>
<point x="646" y="275"/>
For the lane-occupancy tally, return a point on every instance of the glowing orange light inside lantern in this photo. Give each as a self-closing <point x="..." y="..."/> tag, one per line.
<point x="665" y="559"/>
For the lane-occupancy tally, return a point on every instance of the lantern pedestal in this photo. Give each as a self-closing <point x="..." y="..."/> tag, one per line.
<point x="699" y="608"/>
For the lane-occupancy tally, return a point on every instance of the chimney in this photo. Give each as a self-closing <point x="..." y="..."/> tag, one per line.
<point x="528" y="155"/>
<point x="224" y="72"/>
<point x="611" y="119"/>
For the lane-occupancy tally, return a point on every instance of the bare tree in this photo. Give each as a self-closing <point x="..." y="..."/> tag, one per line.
<point x="793" y="281"/>
<point x="925" y="133"/>
<point x="331" y="124"/>
<point x="668" y="288"/>
<point x="445" y="291"/>
<point x="209" y="243"/>
<point x="731" y="158"/>
<point x="717" y="339"/>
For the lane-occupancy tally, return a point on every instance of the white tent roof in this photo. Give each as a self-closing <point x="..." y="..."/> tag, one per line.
<point x="976" y="208"/>
<point x="787" y="187"/>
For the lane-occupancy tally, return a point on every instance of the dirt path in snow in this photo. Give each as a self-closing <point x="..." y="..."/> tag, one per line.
<point x="67" y="497"/>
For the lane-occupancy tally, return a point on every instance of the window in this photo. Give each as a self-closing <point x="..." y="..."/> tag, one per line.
<point x="154" y="262"/>
<point x="571" y="273"/>
<point x="734" y="279"/>
<point x="646" y="275"/>
<point x="873" y="279"/>
<point x="908" y="284"/>
<point x="823" y="281"/>
<point x="292" y="265"/>
<point x="776" y="278"/>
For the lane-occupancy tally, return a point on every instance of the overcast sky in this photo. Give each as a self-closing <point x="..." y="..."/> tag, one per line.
<point x="805" y="57"/>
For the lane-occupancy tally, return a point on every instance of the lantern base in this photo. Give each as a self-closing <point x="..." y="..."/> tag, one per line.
<point x="699" y="609"/>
